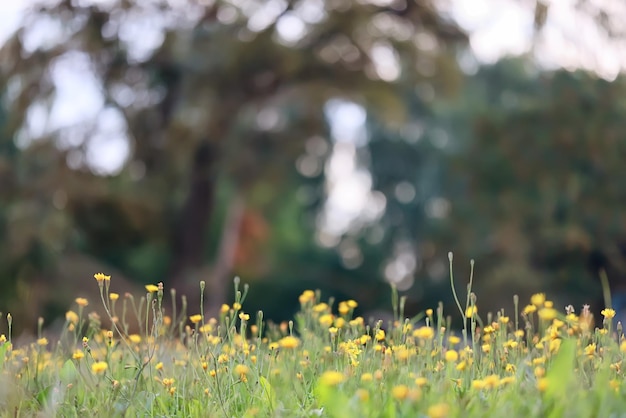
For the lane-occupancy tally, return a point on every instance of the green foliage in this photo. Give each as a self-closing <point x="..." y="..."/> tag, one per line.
<point x="329" y="365"/>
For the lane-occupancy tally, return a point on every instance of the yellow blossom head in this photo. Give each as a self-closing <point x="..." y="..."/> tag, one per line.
<point x="307" y="296"/>
<point x="242" y="369"/>
<point x="99" y="367"/>
<point x="101" y="277"/>
<point x="538" y="299"/>
<point x="400" y="392"/>
<point x="608" y="313"/>
<point x="471" y="311"/>
<point x="451" y="356"/>
<point x="440" y="410"/>
<point x="380" y="335"/>
<point x="71" y="317"/>
<point x="332" y="378"/>
<point x="547" y="314"/>
<point x="424" y="333"/>
<point x="289" y="342"/>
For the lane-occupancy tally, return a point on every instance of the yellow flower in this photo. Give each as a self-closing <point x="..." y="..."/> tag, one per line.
<point x="82" y="302"/>
<point x="528" y="309"/>
<point x="320" y="307"/>
<point x="352" y="303"/>
<point x="511" y="344"/>
<point x="590" y="350"/>
<point x="471" y="311"/>
<point x="307" y="296"/>
<point x="159" y="365"/>
<point x="134" y="338"/>
<point x="358" y="321"/>
<point x="241" y="369"/>
<point x="608" y="313"/>
<point x="506" y="380"/>
<point x="101" y="277"/>
<point x="332" y="378"/>
<point x="71" y="317"/>
<point x="195" y="318"/>
<point x="244" y="316"/>
<point x="326" y="320"/>
<point x="425" y="333"/>
<point x="288" y="342"/>
<point x="363" y="395"/>
<point x="42" y="342"/>
<point x="440" y="410"/>
<point x="451" y="356"/>
<point x="539" y="371"/>
<point x="380" y="335"/>
<point x="151" y="288"/>
<point x="478" y="384"/>
<point x="429" y="312"/>
<point x="114" y="296"/>
<point x="400" y="392"/>
<point x="453" y="340"/>
<point x="78" y="354"/>
<point x="99" y="367"/>
<point x="542" y="384"/>
<point x="421" y="381"/>
<point x="236" y="306"/>
<point x="538" y="299"/>
<point x="225" y="308"/>
<point x="554" y="345"/>
<point x="366" y="377"/>
<point x="547" y="314"/>
<point x="343" y="308"/>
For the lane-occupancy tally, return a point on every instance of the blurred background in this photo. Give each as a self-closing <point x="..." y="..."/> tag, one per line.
<point x="337" y="145"/>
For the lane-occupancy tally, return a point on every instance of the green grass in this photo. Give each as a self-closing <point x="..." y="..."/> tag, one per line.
<point x="537" y="362"/>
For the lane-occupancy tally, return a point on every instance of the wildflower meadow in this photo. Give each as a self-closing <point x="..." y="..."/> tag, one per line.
<point x="150" y="357"/>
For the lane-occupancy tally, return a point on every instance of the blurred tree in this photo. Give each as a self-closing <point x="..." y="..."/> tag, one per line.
<point x="212" y="100"/>
<point x="519" y="172"/>
<point x="537" y="199"/>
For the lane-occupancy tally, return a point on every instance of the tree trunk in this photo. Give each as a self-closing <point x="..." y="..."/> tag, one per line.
<point x="219" y="278"/>
<point x="189" y="235"/>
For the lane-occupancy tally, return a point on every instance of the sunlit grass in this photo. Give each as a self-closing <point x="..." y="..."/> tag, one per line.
<point x="540" y="361"/>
